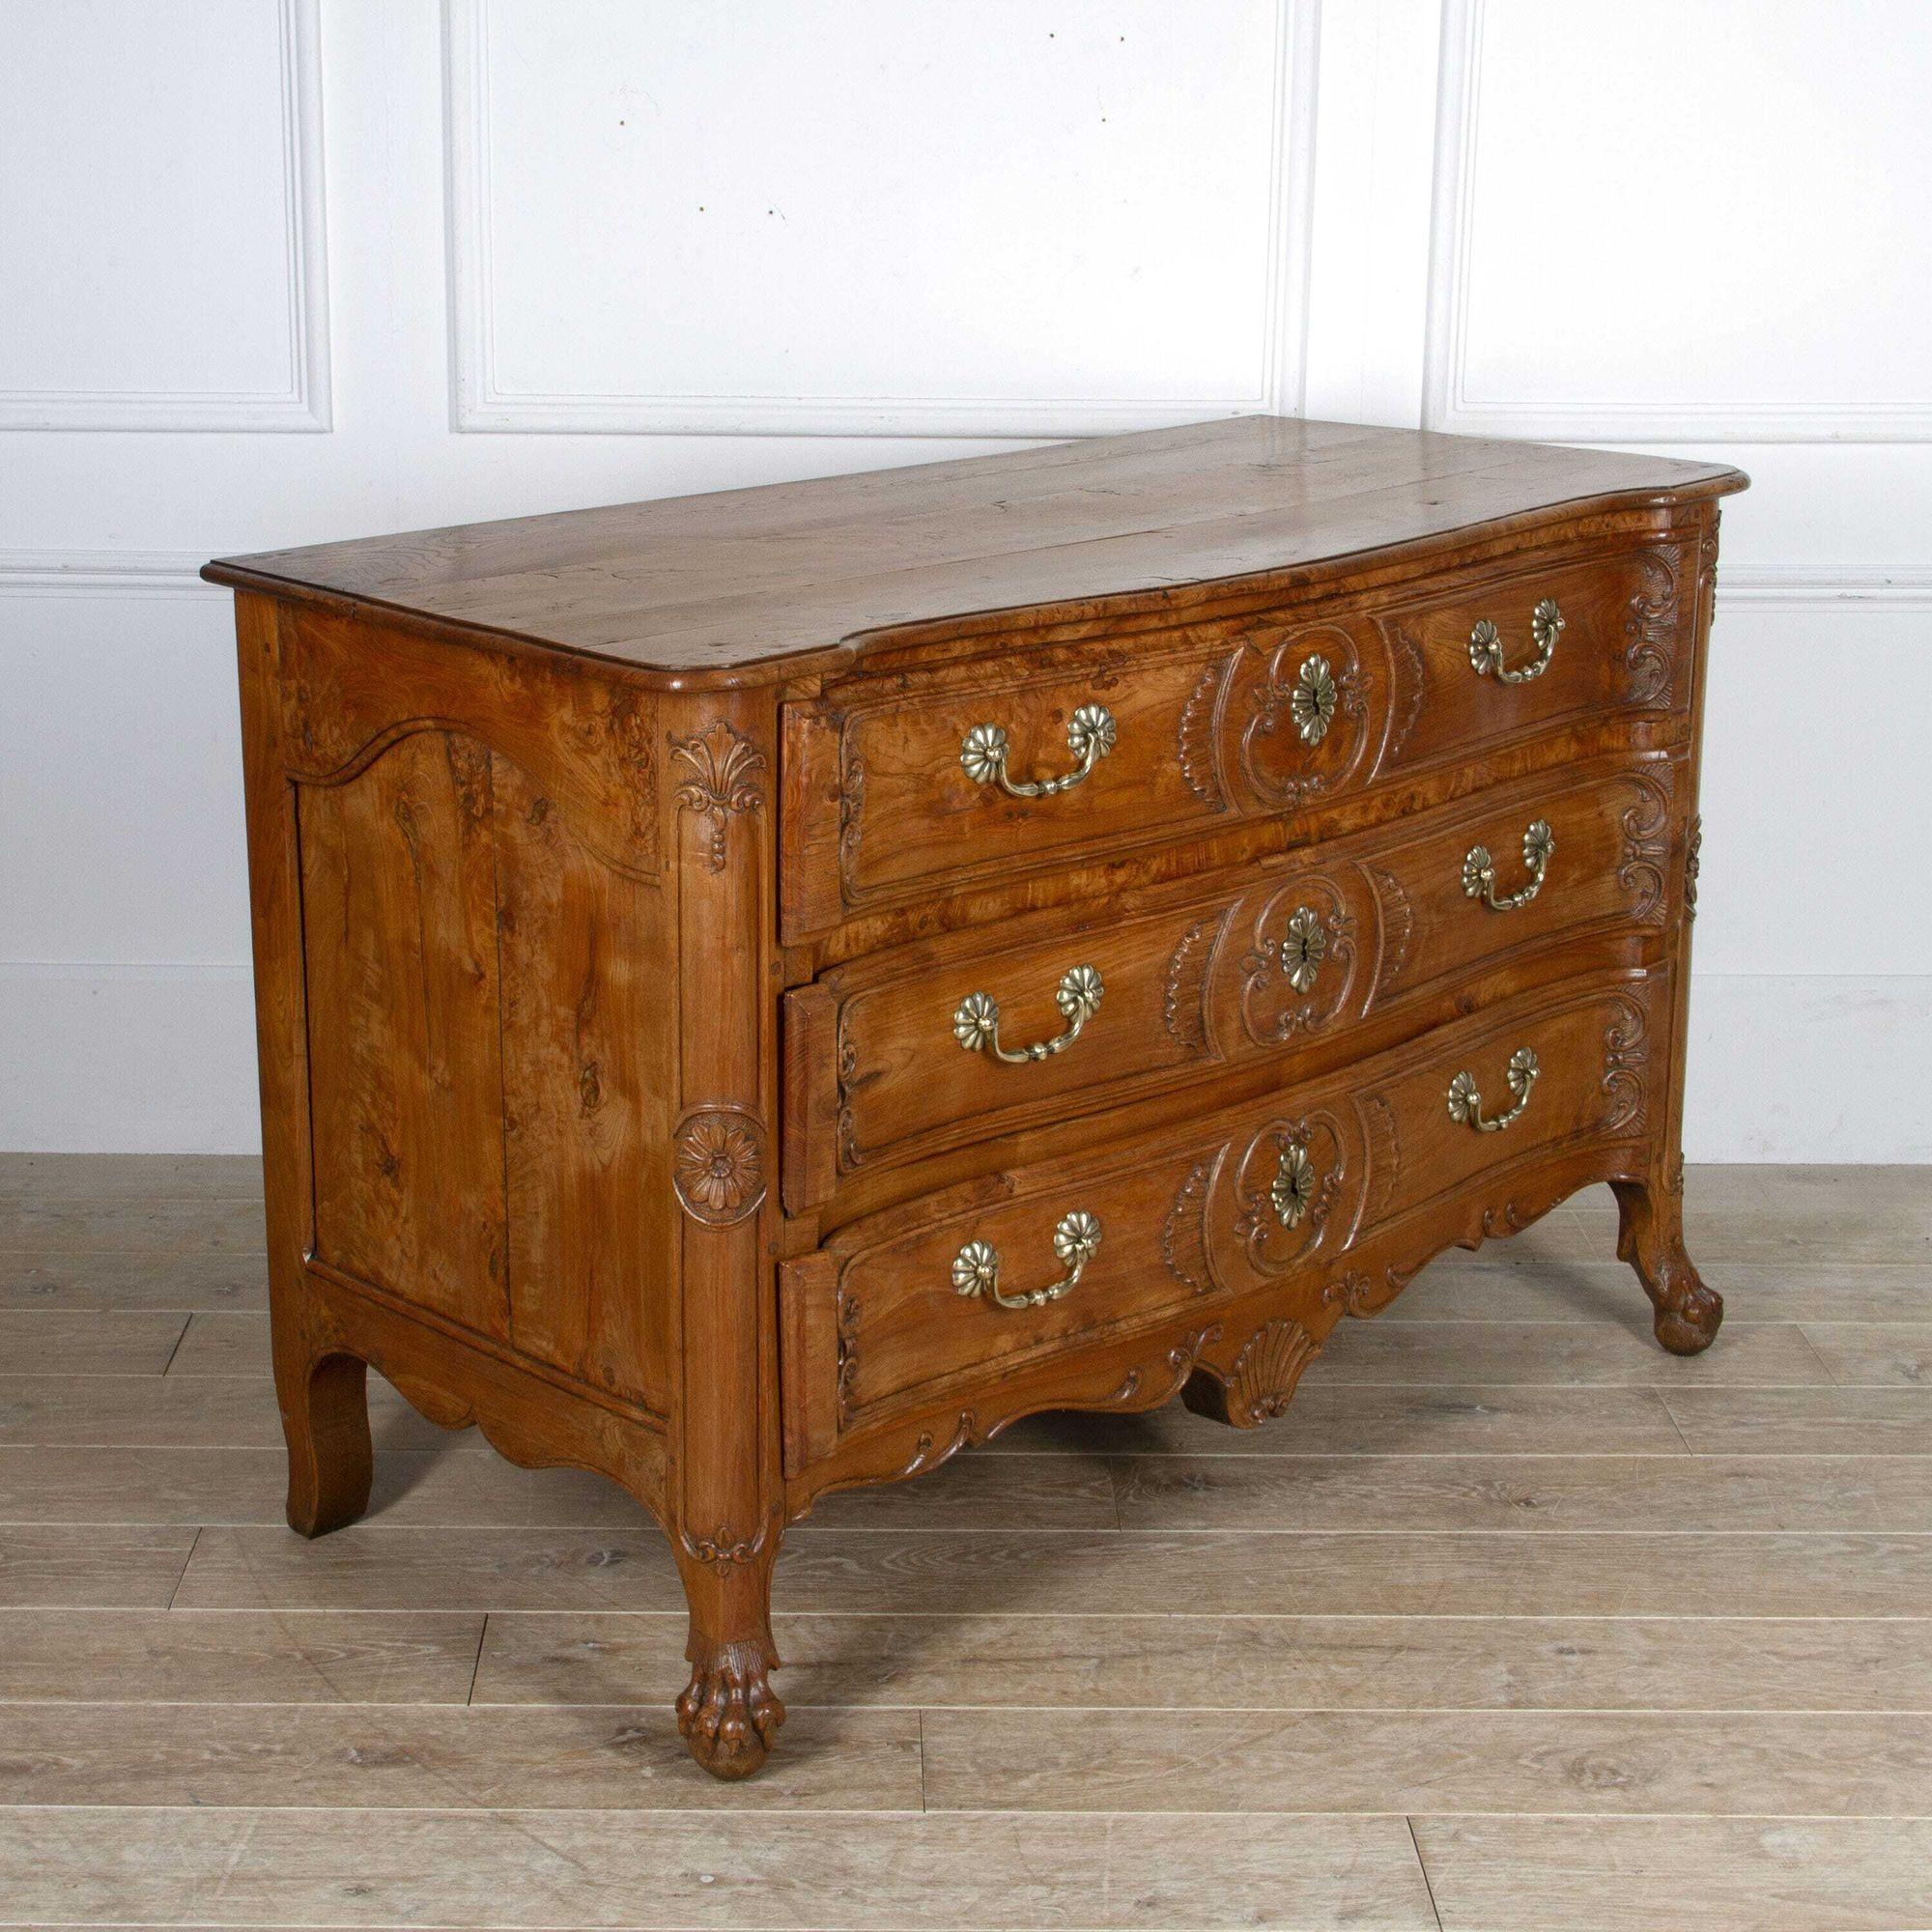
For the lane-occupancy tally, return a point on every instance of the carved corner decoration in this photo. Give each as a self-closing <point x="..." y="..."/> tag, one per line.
<point x="724" y="767"/>
<point x="724" y="1550"/>
<point x="1650" y="629"/>
<point x="1361" y="1295"/>
<point x="631" y="721"/>
<point x="1625" y="1066"/>
<point x="1646" y="848"/>
<point x="1384" y="1162"/>
<point x="965" y="1432"/>
<point x="1200" y="731"/>
<point x="719" y="1164"/>
<point x="1185" y="1000"/>
<point x="1693" y="858"/>
<point x="1261" y="1382"/>
<point x="850" y="1153"/>
<point x="846" y="1324"/>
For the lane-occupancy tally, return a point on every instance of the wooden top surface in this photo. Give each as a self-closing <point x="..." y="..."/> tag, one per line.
<point x="744" y="586"/>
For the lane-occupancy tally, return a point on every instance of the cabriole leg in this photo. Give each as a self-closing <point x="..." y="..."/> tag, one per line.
<point x="728" y="1712"/>
<point x="325" y="1419"/>
<point x="1649" y="1238"/>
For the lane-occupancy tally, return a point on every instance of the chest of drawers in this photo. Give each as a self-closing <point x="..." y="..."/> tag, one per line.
<point x="757" y="991"/>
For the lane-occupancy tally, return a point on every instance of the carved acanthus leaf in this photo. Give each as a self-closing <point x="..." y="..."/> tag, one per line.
<point x="1625" y="1066"/>
<point x="1184" y="1005"/>
<point x="722" y="782"/>
<point x="1646" y="846"/>
<point x="1650" y="629"/>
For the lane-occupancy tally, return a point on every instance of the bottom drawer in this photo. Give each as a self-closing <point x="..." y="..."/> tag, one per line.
<point x="920" y="1305"/>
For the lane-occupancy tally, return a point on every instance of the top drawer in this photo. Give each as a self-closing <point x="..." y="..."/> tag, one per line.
<point x="973" y="772"/>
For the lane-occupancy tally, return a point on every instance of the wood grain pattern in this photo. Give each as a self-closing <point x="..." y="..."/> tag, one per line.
<point x="1652" y="1762"/>
<point x="1635" y="1874"/>
<point x="237" y="1868"/>
<point x="176" y="1657"/>
<point x="939" y="1571"/>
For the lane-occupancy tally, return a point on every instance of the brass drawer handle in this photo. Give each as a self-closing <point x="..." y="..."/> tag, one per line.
<point x="976" y="1269"/>
<point x="1466" y="1103"/>
<point x="1485" y="645"/>
<point x="1479" y="870"/>
<point x="976" y="1020"/>
<point x="1089" y="737"/>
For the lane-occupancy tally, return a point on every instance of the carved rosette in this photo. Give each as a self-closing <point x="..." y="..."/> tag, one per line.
<point x="718" y="1164"/>
<point x="722" y="780"/>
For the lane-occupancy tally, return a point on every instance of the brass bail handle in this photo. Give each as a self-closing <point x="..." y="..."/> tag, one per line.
<point x="1466" y="1103"/>
<point x="1089" y="737"/>
<point x="1485" y="645"/>
<point x="1479" y="870"/>
<point x="976" y="1020"/>
<point x="976" y="1269"/>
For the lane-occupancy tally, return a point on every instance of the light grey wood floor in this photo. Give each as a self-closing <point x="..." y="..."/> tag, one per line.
<point x="1514" y="1621"/>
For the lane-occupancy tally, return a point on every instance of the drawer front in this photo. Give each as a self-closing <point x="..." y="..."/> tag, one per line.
<point x="970" y="774"/>
<point x="907" y="1054"/>
<point x="915" y="1307"/>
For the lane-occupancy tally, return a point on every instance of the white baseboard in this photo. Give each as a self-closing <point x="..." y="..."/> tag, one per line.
<point x="161" y="1060"/>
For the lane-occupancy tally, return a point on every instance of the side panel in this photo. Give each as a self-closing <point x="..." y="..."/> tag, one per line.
<point x="490" y="958"/>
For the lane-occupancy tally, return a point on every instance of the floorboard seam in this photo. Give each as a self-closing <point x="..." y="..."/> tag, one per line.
<point x="1421" y="1865"/>
<point x="181" y="1574"/>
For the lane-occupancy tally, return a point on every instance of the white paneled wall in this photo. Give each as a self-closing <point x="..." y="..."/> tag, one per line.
<point x="676" y="248"/>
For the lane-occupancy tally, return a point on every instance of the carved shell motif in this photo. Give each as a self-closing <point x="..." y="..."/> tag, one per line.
<point x="1268" y="1369"/>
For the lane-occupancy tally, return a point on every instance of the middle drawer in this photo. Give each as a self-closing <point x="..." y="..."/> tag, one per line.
<point x="905" y="1054"/>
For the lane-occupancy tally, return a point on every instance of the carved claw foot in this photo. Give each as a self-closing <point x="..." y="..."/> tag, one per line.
<point x="1650" y="1239"/>
<point x="728" y="1712"/>
<point x="1688" y="1314"/>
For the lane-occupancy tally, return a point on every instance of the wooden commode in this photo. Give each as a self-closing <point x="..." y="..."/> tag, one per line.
<point x="759" y="990"/>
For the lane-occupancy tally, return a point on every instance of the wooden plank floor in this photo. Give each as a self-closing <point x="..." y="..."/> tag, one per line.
<point x="1512" y="1622"/>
